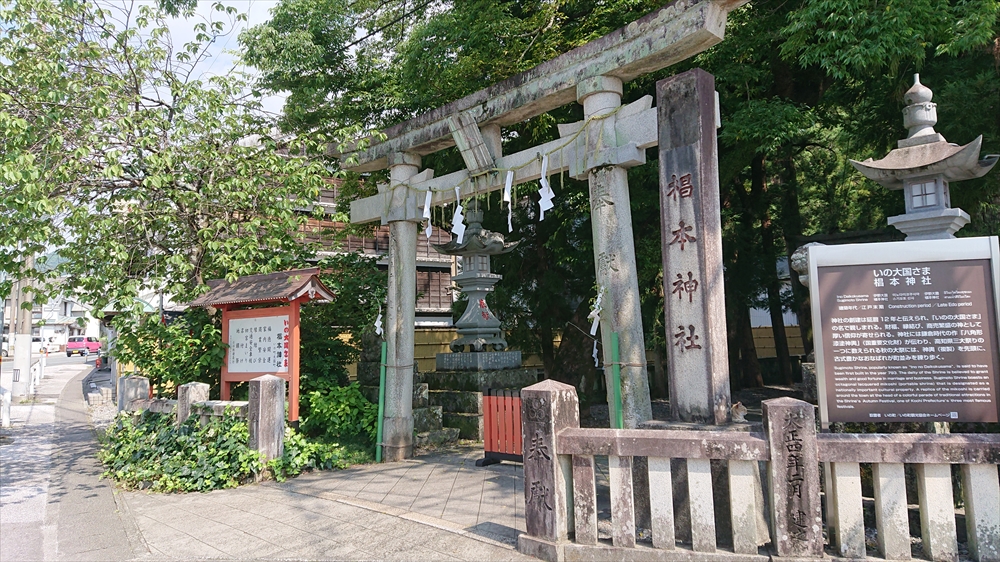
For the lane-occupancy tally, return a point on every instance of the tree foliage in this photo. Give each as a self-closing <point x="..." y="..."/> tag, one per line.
<point x="138" y="170"/>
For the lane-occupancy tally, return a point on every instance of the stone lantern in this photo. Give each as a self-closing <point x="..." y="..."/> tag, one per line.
<point x="478" y="328"/>
<point x="922" y="166"/>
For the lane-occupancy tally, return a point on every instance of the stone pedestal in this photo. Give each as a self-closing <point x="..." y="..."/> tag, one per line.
<point x="482" y="361"/>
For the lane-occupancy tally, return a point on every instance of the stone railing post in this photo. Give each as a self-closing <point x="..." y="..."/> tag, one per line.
<point x="546" y="409"/>
<point x="188" y="394"/>
<point x="266" y="415"/>
<point x="790" y="426"/>
<point x="132" y="387"/>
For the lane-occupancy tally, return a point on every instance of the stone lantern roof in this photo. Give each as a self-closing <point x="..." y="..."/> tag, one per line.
<point x="925" y="152"/>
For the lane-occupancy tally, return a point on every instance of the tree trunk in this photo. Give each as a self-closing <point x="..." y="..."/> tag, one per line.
<point x="749" y="365"/>
<point x="773" y="284"/>
<point x="574" y="360"/>
<point x="792" y="228"/>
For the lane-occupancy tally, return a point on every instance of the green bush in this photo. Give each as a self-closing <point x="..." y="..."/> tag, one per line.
<point x="149" y="451"/>
<point x="187" y="349"/>
<point x="341" y="413"/>
<point x="302" y="454"/>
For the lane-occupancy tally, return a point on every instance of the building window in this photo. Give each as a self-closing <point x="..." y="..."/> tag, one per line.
<point x="924" y="194"/>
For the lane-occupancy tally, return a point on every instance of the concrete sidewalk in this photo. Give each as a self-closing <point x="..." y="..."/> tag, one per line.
<point x="54" y="507"/>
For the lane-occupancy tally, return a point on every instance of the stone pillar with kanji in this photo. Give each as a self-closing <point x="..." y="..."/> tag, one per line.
<point x="691" y="234"/>
<point x="547" y="408"/>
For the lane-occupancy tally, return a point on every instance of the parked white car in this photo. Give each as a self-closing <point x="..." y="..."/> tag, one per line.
<point x="37" y="345"/>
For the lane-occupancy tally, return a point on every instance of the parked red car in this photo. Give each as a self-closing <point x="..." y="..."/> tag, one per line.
<point x="82" y="345"/>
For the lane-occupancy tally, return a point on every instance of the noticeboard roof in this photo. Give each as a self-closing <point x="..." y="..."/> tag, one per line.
<point x="268" y="287"/>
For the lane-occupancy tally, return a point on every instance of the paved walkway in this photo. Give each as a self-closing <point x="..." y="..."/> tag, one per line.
<point x="54" y="507"/>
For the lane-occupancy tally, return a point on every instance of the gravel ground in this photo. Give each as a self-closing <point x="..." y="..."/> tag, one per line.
<point x="102" y="415"/>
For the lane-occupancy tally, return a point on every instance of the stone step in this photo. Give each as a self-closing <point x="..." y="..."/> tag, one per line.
<point x="437" y="437"/>
<point x="419" y="395"/>
<point x="457" y="401"/>
<point x="427" y="419"/>
<point x="476" y="381"/>
<point x="469" y="426"/>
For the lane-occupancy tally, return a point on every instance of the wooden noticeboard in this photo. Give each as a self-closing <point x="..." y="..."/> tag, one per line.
<point x="263" y="340"/>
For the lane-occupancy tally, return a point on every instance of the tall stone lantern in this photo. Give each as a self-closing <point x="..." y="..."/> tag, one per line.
<point x="478" y="329"/>
<point x="922" y="166"/>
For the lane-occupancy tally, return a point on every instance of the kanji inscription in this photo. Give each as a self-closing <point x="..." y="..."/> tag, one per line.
<point x="688" y="287"/>
<point x="682" y="236"/>
<point x="680" y="187"/>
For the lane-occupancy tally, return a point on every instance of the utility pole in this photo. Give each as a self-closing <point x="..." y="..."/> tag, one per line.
<point x="22" y="343"/>
<point x="7" y="377"/>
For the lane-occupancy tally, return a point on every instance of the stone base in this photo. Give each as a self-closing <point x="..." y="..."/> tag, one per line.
<point x="481" y="361"/>
<point x="427" y="419"/>
<point x="602" y="552"/>
<point x="930" y="225"/>
<point x="540" y="548"/>
<point x="476" y="381"/>
<point x="436" y="437"/>
<point x="470" y="426"/>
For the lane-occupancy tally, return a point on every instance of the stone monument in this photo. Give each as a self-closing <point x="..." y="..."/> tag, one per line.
<point x="922" y="167"/>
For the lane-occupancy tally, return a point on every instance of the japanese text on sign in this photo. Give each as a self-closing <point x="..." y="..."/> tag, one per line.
<point x="913" y="343"/>
<point x="259" y="345"/>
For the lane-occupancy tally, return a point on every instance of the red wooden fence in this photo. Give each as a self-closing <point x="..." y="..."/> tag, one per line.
<point x="501" y="427"/>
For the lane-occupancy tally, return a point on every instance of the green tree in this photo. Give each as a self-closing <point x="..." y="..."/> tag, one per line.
<point x="138" y="171"/>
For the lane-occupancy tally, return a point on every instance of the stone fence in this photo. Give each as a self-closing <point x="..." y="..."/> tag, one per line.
<point x="686" y="469"/>
<point x="264" y="412"/>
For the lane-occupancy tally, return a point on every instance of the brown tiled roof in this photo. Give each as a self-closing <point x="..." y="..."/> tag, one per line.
<point x="268" y="287"/>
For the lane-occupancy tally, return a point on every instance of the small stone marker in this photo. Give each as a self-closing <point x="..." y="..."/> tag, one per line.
<point x="691" y="235"/>
<point x="132" y="388"/>
<point x="188" y="394"/>
<point x="794" y="477"/>
<point x="546" y="408"/>
<point x="266" y="415"/>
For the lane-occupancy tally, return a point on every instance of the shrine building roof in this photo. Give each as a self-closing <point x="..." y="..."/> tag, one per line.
<point x="267" y="287"/>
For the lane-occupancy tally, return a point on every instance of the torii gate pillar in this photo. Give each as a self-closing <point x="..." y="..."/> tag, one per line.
<point x="614" y="250"/>
<point x="401" y="303"/>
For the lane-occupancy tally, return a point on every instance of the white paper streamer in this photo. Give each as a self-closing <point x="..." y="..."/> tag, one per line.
<point x="378" y="323"/>
<point x="507" y="199"/>
<point x="427" y="214"/>
<point x="458" y="220"/>
<point x="596" y="362"/>
<point x="595" y="312"/>
<point x="546" y="193"/>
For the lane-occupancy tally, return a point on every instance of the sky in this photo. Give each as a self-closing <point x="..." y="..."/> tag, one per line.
<point x="222" y="58"/>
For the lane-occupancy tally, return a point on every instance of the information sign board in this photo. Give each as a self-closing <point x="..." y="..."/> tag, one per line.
<point x="906" y="331"/>
<point x="258" y="344"/>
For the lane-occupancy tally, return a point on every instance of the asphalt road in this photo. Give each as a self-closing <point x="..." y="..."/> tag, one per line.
<point x="54" y="359"/>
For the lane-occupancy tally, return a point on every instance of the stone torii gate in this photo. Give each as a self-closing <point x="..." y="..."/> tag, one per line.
<point x="610" y="139"/>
